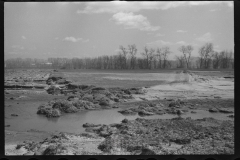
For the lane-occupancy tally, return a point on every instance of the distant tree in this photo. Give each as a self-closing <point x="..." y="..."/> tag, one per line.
<point x="159" y="56"/>
<point x="148" y="55"/>
<point x="166" y="51"/>
<point x="186" y="50"/>
<point x="124" y="57"/>
<point x="151" y="58"/>
<point x="206" y="54"/>
<point x="132" y="50"/>
<point x="180" y="61"/>
<point x="216" y="60"/>
<point x="145" y="54"/>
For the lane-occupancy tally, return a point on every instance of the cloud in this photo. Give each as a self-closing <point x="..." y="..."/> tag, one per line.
<point x="131" y="21"/>
<point x="72" y="39"/>
<point x="205" y="38"/>
<point x="124" y="6"/>
<point x="181" y="42"/>
<point x="181" y="31"/>
<point x="159" y="35"/>
<point x="159" y="43"/>
<point x="18" y="47"/>
<point x="23" y="37"/>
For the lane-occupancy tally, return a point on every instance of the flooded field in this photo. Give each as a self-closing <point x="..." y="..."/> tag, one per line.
<point x="200" y="97"/>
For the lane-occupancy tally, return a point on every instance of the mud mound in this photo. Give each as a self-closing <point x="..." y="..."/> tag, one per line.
<point x="86" y="97"/>
<point x="174" y="136"/>
<point x="186" y="76"/>
<point x="56" y="79"/>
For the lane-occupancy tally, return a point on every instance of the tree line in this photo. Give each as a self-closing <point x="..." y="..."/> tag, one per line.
<point x="151" y="58"/>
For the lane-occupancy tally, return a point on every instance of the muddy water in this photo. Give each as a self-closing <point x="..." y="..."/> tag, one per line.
<point x="28" y="119"/>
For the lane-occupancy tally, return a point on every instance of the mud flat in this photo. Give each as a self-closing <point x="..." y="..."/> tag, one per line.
<point x="140" y="137"/>
<point x="173" y="114"/>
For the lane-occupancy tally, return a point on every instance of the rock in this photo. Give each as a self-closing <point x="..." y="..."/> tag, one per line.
<point x="145" y="113"/>
<point x="14" y="115"/>
<point x="116" y="99"/>
<point x="56" y="79"/>
<point x="72" y="98"/>
<point x="176" y="103"/>
<point x="224" y="110"/>
<point x="179" y="112"/>
<point x="54" y="90"/>
<point x="213" y="110"/>
<point x="87" y="97"/>
<point x="231" y="116"/>
<point x="53" y="113"/>
<point x="12" y="98"/>
<point x="82" y="105"/>
<point x="104" y="134"/>
<point x="7" y="125"/>
<point x="181" y="140"/>
<point x="64" y="106"/>
<point x="125" y="120"/>
<point x="98" y="88"/>
<point x="72" y="86"/>
<point x="90" y="129"/>
<point x="217" y="97"/>
<point x="147" y="151"/>
<point x="85" y="87"/>
<point x="127" y="112"/>
<point x="50" y="150"/>
<point x="28" y="153"/>
<point x="188" y="118"/>
<point x="193" y="112"/>
<point x="91" y="125"/>
<point x="42" y="109"/>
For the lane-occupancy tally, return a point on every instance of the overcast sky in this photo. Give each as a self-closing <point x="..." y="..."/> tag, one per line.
<point x="90" y="29"/>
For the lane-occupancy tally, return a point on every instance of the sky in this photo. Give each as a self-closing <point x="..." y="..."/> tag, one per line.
<point x="91" y="29"/>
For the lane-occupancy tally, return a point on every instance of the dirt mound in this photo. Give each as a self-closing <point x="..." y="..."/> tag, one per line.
<point x="58" y="107"/>
<point x="174" y="136"/>
<point x="55" y="79"/>
<point x="187" y="76"/>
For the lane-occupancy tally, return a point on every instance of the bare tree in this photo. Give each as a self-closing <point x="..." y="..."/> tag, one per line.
<point x="180" y="60"/>
<point x="166" y="51"/>
<point x="124" y="57"/>
<point x="151" y="57"/>
<point x="132" y="49"/>
<point x="186" y="50"/>
<point x="159" y="56"/>
<point x="216" y="60"/>
<point x="206" y="54"/>
<point x="146" y="55"/>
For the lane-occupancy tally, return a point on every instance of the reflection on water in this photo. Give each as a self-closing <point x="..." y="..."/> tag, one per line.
<point x="73" y="122"/>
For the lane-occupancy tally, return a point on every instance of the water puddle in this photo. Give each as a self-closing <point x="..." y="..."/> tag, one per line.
<point x="73" y="122"/>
